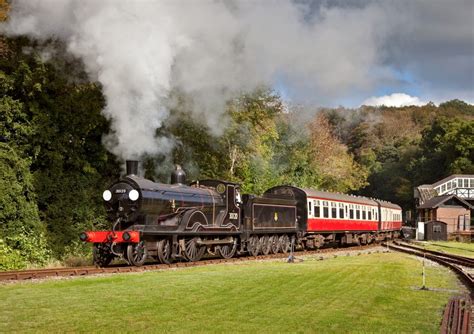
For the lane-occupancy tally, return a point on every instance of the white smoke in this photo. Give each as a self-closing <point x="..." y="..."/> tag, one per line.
<point x="211" y="50"/>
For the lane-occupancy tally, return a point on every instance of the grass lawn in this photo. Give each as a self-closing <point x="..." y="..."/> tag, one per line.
<point x="453" y="247"/>
<point x="367" y="293"/>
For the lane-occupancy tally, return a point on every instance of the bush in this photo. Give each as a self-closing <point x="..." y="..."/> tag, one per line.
<point x="21" y="231"/>
<point x="31" y="246"/>
<point x="10" y="259"/>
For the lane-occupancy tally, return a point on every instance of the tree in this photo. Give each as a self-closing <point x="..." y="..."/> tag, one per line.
<point x="51" y="117"/>
<point x="447" y="148"/>
<point x="337" y="168"/>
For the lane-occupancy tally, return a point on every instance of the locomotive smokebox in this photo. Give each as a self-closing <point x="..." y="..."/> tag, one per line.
<point x="132" y="167"/>
<point x="178" y="176"/>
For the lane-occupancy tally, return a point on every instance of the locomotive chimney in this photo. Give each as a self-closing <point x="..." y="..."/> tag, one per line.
<point x="178" y="176"/>
<point x="132" y="167"/>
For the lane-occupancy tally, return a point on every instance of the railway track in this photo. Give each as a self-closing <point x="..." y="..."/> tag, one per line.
<point x="18" y="275"/>
<point x="458" y="259"/>
<point x="457" y="317"/>
<point x="459" y="264"/>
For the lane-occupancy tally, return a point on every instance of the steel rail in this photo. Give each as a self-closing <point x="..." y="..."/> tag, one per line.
<point x="462" y="260"/>
<point x="91" y="270"/>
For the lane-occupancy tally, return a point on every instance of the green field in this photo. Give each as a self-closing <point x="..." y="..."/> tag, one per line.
<point x="368" y="293"/>
<point x="452" y="247"/>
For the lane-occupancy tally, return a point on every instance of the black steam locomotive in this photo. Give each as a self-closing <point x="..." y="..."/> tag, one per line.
<point x="168" y="222"/>
<point x="175" y="221"/>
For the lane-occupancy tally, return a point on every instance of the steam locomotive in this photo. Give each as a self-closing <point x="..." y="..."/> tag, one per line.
<point x="170" y="222"/>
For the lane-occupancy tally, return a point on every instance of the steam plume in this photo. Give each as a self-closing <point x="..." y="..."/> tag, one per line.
<point x="212" y="50"/>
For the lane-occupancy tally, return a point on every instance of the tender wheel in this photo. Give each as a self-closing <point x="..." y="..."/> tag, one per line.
<point x="266" y="245"/>
<point x="102" y="255"/>
<point x="193" y="251"/>
<point x="227" y="251"/>
<point x="253" y="245"/>
<point x="164" y="251"/>
<point x="137" y="254"/>
<point x="285" y="243"/>
<point x="275" y="244"/>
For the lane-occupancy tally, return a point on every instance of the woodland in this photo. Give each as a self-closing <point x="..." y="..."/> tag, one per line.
<point x="54" y="165"/>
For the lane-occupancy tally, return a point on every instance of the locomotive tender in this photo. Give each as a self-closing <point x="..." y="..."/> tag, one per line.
<point x="169" y="222"/>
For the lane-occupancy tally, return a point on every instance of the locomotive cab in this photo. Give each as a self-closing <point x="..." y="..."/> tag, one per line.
<point x="229" y="214"/>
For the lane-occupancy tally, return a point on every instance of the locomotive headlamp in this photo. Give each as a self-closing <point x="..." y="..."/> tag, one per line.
<point x="83" y="236"/>
<point x="126" y="236"/>
<point x="107" y="195"/>
<point x="133" y="195"/>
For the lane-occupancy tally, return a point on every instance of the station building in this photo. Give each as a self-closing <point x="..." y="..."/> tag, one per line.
<point x="451" y="201"/>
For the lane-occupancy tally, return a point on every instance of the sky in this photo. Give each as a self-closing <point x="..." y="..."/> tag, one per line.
<point x="322" y="53"/>
<point x="426" y="54"/>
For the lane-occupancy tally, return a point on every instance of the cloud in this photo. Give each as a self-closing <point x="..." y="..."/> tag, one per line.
<point x="394" y="100"/>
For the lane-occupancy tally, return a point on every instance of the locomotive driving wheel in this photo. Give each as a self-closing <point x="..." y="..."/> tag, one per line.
<point x="265" y="244"/>
<point x="227" y="251"/>
<point x="136" y="253"/>
<point x="193" y="251"/>
<point x="164" y="251"/>
<point x="253" y="245"/>
<point x="275" y="244"/>
<point x="285" y="243"/>
<point x="102" y="255"/>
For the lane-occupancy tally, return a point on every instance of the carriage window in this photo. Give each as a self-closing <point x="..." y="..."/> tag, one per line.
<point x="357" y="211"/>
<point x="317" y="209"/>
<point x="364" y="217"/>
<point x="351" y="213"/>
<point x="369" y="215"/>
<point x="325" y="209"/>
<point x="309" y="208"/>
<point x="334" y="212"/>
<point x="341" y="213"/>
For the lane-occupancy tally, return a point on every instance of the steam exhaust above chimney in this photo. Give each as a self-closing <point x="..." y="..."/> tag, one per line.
<point x="132" y="167"/>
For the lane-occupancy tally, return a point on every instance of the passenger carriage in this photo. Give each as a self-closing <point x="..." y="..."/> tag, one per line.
<point x="327" y="217"/>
